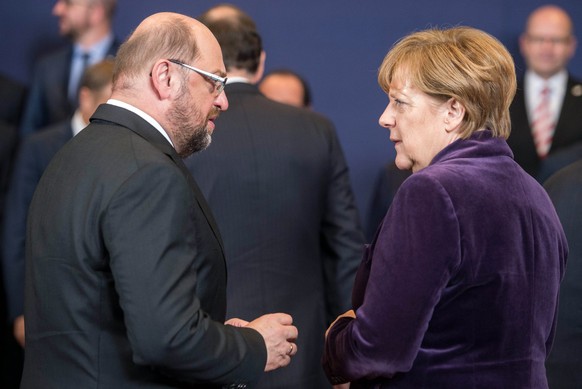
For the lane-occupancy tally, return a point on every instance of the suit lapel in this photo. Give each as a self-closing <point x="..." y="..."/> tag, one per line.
<point x="521" y="138"/>
<point x="570" y="107"/>
<point x="131" y="121"/>
<point x="199" y="198"/>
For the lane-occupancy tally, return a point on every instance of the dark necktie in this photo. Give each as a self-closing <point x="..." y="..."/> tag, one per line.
<point x="84" y="63"/>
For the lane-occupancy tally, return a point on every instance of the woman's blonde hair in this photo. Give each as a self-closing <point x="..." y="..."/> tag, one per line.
<point x="463" y="63"/>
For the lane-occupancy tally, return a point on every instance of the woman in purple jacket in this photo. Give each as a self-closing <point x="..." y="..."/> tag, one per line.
<point x="459" y="287"/>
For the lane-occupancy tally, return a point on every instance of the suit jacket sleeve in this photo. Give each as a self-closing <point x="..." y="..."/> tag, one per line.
<point x="341" y="233"/>
<point x="34" y="115"/>
<point x="23" y="182"/>
<point x="151" y="237"/>
<point x="47" y="101"/>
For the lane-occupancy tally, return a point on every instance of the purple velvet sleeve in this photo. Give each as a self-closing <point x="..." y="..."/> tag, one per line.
<point x="399" y="283"/>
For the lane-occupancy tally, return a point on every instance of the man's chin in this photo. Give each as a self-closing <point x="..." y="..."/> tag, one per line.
<point x="196" y="146"/>
<point x="210" y="127"/>
<point x="68" y="33"/>
<point x="208" y="141"/>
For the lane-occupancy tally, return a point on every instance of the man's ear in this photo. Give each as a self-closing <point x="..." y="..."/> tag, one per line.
<point x="98" y="14"/>
<point x="164" y="79"/>
<point x="455" y="112"/>
<point x="85" y="101"/>
<point x="260" y="69"/>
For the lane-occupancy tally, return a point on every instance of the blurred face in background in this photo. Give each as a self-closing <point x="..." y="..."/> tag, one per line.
<point x="89" y="100"/>
<point x="548" y="43"/>
<point x="284" y="89"/>
<point x="74" y="16"/>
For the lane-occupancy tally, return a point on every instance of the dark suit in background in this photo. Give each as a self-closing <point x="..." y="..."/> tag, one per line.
<point x="277" y="182"/>
<point x="547" y="44"/>
<point x="10" y="351"/>
<point x="567" y="132"/>
<point x="276" y="179"/>
<point x="564" y="365"/>
<point x="389" y="180"/>
<point x="48" y="102"/>
<point x="133" y="264"/>
<point x="12" y="96"/>
<point x="559" y="160"/>
<point x="34" y="156"/>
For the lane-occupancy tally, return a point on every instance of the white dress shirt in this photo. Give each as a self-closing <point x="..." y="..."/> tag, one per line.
<point x="533" y="86"/>
<point x="143" y="115"/>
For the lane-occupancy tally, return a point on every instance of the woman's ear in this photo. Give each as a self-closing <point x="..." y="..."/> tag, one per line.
<point x="455" y="112"/>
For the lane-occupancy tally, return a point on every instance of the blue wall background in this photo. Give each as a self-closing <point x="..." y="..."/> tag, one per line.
<point x="336" y="44"/>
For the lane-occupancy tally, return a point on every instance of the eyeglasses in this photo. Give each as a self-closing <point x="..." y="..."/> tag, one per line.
<point x="219" y="82"/>
<point x="554" y="41"/>
<point x="70" y="3"/>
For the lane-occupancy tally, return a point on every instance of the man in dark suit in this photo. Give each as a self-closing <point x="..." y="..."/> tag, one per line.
<point x="34" y="156"/>
<point x="547" y="44"/>
<point x="125" y="272"/>
<point x="12" y="96"/>
<point x="564" y="365"/>
<point x="559" y="159"/>
<point x="276" y="180"/>
<point x="54" y="88"/>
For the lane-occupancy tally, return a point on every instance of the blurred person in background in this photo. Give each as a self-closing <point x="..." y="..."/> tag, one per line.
<point x="12" y="95"/>
<point x="564" y="365"/>
<point x="287" y="87"/>
<point x="54" y="88"/>
<point x="546" y="114"/>
<point x="34" y="155"/>
<point x="276" y="180"/>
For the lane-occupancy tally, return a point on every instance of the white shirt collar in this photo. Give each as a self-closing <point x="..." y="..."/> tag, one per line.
<point x="77" y="122"/>
<point x="98" y="51"/>
<point x="232" y="80"/>
<point x="536" y="83"/>
<point x="143" y="115"/>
